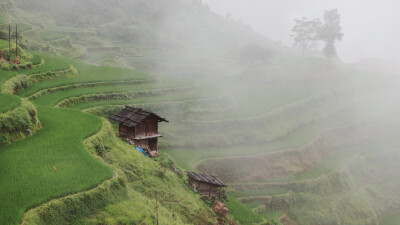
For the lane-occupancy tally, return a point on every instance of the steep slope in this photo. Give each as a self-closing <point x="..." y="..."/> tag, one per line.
<point x="160" y="36"/>
<point x="52" y="164"/>
<point x="297" y="138"/>
<point x="140" y="190"/>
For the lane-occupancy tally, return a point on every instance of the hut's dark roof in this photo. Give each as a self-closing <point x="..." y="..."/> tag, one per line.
<point x="206" y="178"/>
<point x="131" y="116"/>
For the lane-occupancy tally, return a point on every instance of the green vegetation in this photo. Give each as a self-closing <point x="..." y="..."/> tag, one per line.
<point x="4" y="44"/>
<point x="308" y="32"/>
<point x="3" y="19"/>
<point x="263" y="192"/>
<point x="272" y="215"/>
<point x="87" y="73"/>
<point x="70" y="168"/>
<point x="188" y="158"/>
<point x="391" y="218"/>
<point x="51" y="64"/>
<point x="50" y="36"/>
<point x="128" y="198"/>
<point x="56" y="156"/>
<point x="19" y="122"/>
<point x="194" y="95"/>
<point x="61" y="211"/>
<point x="283" y="131"/>
<point x="8" y="102"/>
<point x="23" y="27"/>
<point x="54" y="98"/>
<point x="241" y="213"/>
<point x="202" y="104"/>
<point x="329" y="164"/>
<point x="18" y="83"/>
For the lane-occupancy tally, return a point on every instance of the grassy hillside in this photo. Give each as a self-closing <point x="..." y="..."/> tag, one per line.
<point x="153" y="36"/>
<point x="129" y="197"/>
<point x="298" y="139"/>
<point x="54" y="163"/>
<point x="9" y="102"/>
<point x="4" y="44"/>
<point x="195" y="120"/>
<point x="53" y="156"/>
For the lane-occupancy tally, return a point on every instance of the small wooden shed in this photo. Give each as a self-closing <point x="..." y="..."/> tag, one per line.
<point x="139" y="127"/>
<point x="207" y="185"/>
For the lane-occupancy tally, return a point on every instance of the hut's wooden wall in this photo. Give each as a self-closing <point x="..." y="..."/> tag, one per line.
<point x="205" y="189"/>
<point x="152" y="127"/>
<point x="148" y="127"/>
<point x="126" y="131"/>
<point x="140" y="131"/>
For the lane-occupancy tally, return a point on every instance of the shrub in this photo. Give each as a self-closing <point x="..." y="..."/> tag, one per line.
<point x="15" y="67"/>
<point x="165" y="161"/>
<point x="15" y="84"/>
<point x="22" y="66"/>
<point x="101" y="149"/>
<point x="36" y="60"/>
<point x="5" y="66"/>
<point x="210" y="201"/>
<point x="19" y="122"/>
<point x="260" y="209"/>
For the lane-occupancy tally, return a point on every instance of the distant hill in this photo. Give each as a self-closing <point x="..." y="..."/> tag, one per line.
<point x="376" y="65"/>
<point x="173" y="37"/>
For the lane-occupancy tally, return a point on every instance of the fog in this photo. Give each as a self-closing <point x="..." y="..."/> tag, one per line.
<point x="291" y="132"/>
<point x="371" y="27"/>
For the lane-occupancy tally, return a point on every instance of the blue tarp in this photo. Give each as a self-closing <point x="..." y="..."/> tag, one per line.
<point x="142" y="151"/>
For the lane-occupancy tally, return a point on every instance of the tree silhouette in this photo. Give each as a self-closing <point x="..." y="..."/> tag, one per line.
<point x="330" y="32"/>
<point x="306" y="33"/>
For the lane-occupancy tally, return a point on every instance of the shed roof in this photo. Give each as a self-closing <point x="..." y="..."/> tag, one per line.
<point x="206" y="178"/>
<point x="131" y="117"/>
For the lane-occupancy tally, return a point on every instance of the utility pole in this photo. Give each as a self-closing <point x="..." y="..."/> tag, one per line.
<point x="157" y="208"/>
<point x="9" y="42"/>
<point x="16" y="40"/>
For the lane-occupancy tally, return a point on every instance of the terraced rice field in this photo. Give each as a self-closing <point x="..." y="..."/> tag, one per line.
<point x="59" y="150"/>
<point x="284" y="138"/>
<point x="225" y="159"/>
<point x="242" y="213"/>
<point x="59" y="159"/>
<point x="51" y="64"/>
<point x="3" y="44"/>
<point x="392" y="218"/>
<point x="8" y="102"/>
<point x="51" y="36"/>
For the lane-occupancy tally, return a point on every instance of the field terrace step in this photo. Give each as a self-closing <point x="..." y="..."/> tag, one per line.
<point x="119" y="96"/>
<point x="89" y="84"/>
<point x="288" y="163"/>
<point x="157" y="103"/>
<point x="18" y="83"/>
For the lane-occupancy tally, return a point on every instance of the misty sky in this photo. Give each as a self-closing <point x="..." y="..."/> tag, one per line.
<point x="371" y="27"/>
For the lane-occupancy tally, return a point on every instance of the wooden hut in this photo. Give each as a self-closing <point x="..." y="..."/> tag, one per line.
<point x="207" y="185"/>
<point x="139" y="127"/>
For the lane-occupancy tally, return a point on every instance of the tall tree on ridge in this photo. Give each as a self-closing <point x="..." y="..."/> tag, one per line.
<point x="306" y="33"/>
<point x="330" y="32"/>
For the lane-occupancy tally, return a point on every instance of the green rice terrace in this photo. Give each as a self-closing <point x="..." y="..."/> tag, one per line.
<point x="297" y="140"/>
<point x="59" y="137"/>
<point x="209" y="125"/>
